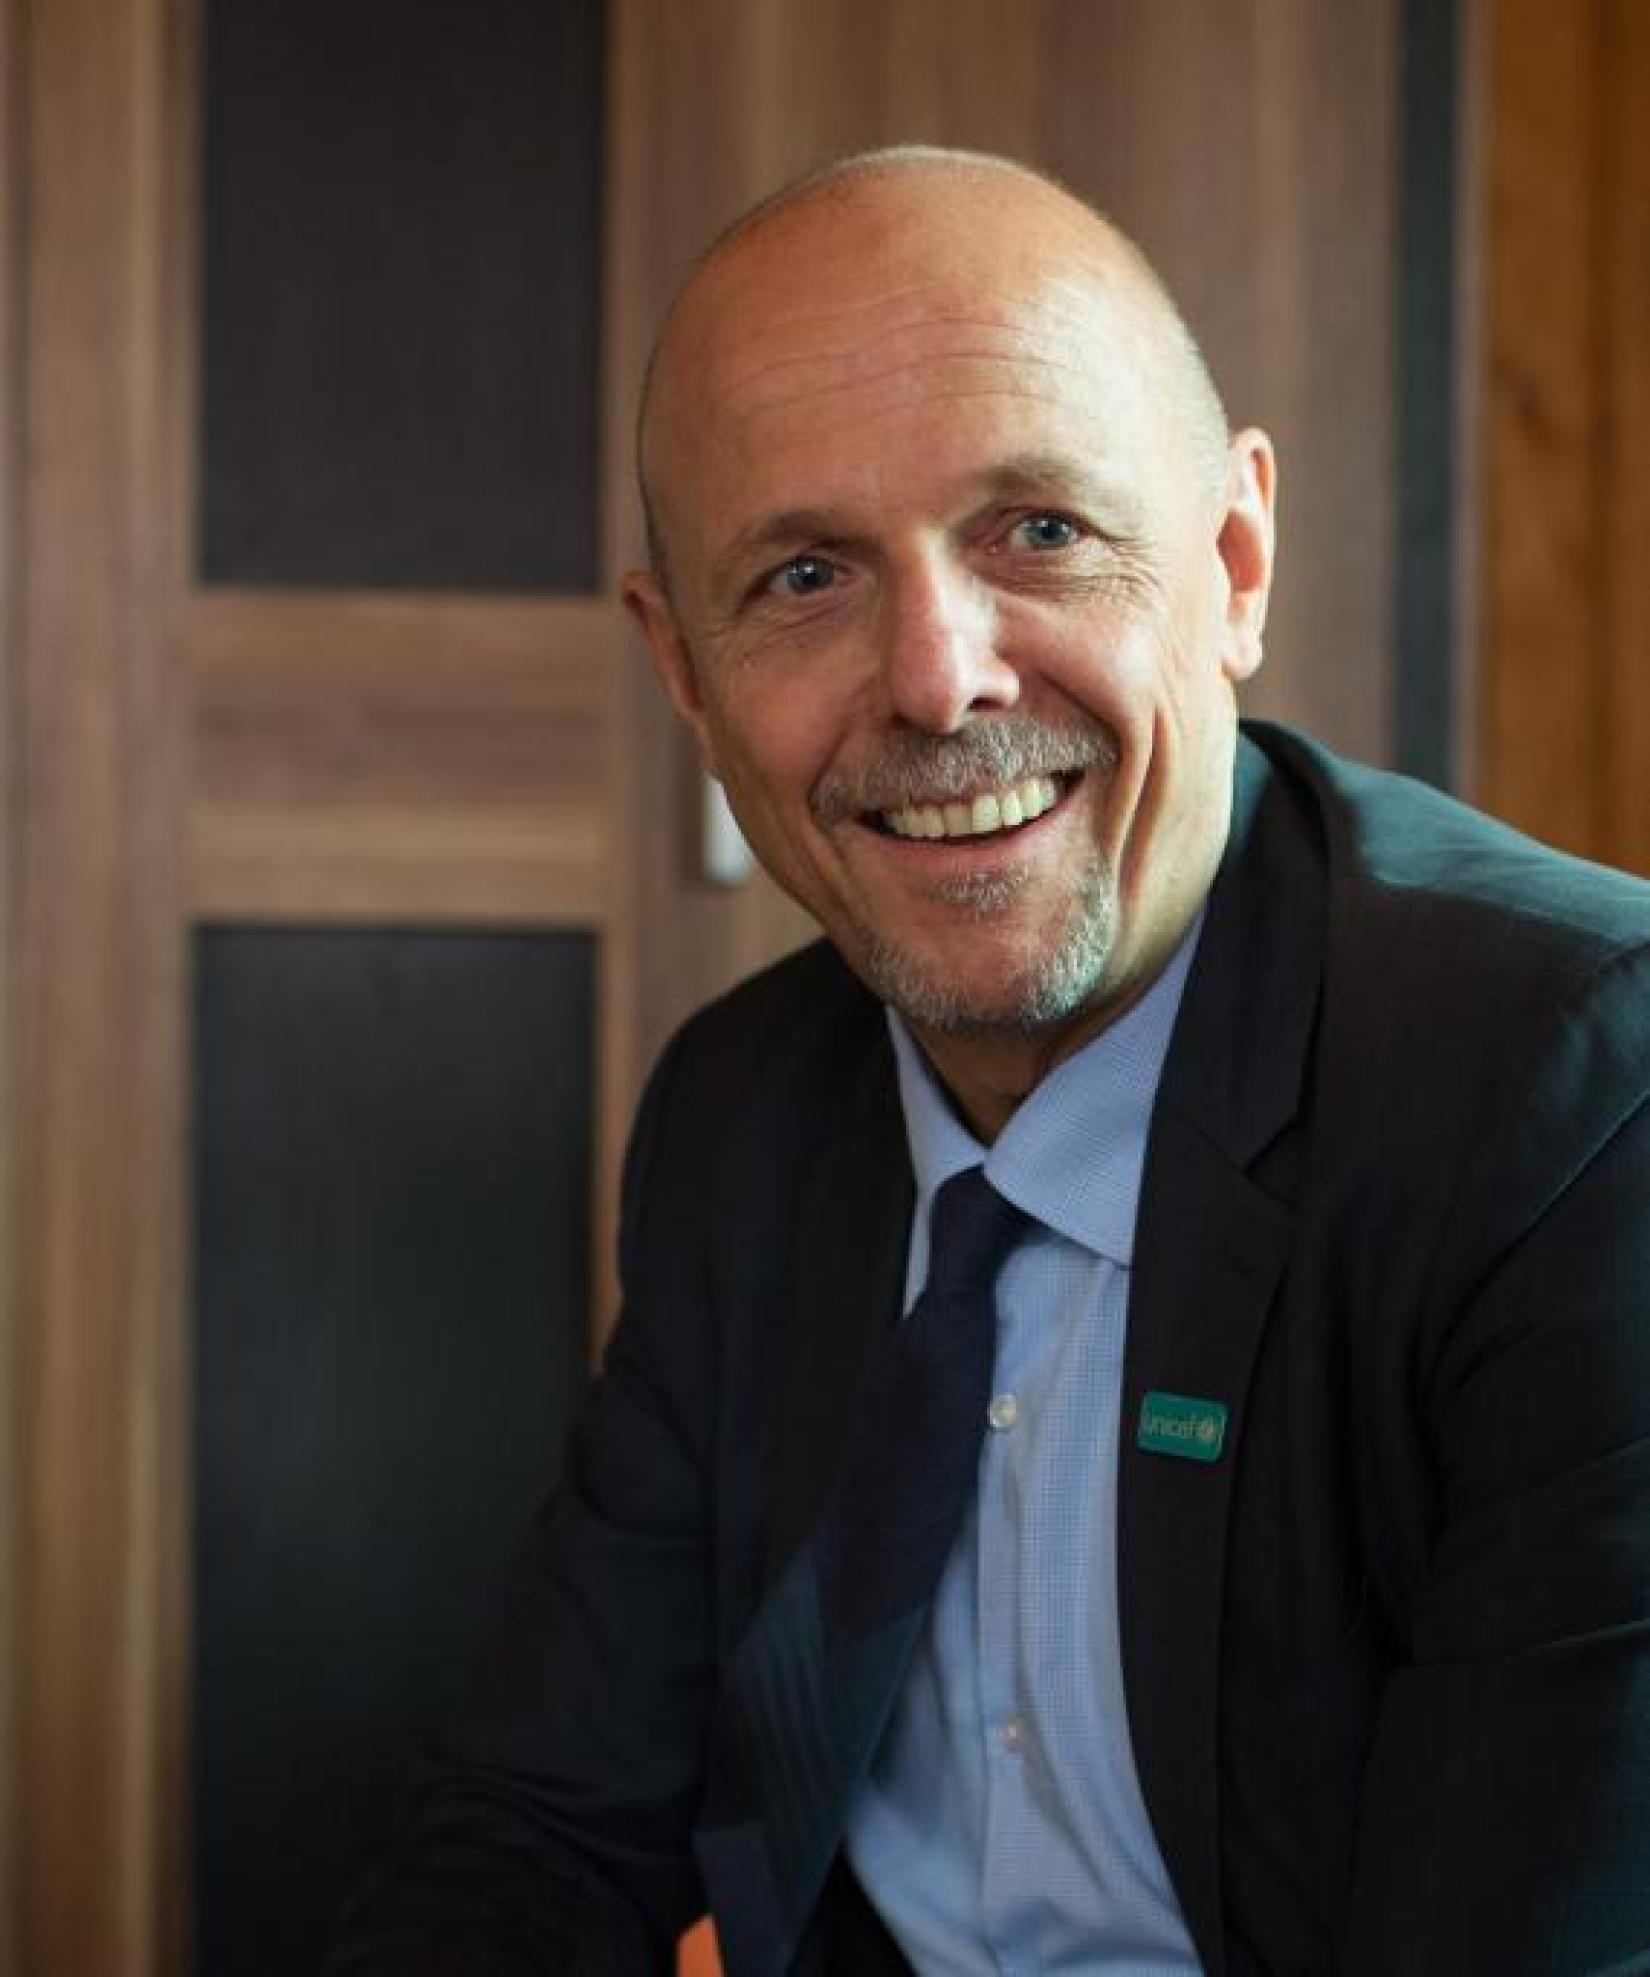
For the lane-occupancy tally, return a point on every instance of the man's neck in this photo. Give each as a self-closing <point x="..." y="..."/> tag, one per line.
<point x="989" y="1073"/>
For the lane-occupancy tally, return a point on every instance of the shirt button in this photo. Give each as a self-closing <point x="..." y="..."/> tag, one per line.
<point x="1003" y="1413"/>
<point x="1013" y="1734"/>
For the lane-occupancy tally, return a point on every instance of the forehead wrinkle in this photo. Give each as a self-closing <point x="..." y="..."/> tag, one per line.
<point x="1061" y="314"/>
<point x="862" y="357"/>
<point x="879" y="304"/>
<point x="898" y="383"/>
<point x="890" y="373"/>
<point x="1019" y="316"/>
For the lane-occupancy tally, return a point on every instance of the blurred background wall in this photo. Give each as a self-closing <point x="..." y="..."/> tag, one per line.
<point x="349" y="869"/>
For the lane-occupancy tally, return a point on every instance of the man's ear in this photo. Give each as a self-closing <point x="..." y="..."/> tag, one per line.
<point x="645" y="600"/>
<point x="1246" y="542"/>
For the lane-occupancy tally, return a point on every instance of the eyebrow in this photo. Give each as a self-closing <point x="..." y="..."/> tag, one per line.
<point x="776" y="532"/>
<point x="1040" y="476"/>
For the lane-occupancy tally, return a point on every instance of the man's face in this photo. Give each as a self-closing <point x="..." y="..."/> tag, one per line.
<point x="955" y="609"/>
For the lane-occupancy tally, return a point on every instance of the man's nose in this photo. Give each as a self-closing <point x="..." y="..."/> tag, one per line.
<point x="940" y="656"/>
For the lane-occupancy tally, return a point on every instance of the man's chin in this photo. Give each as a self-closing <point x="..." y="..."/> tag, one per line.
<point x="1020" y="999"/>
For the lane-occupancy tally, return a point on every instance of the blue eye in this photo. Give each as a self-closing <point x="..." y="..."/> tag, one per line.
<point x="1046" y="531"/>
<point x="803" y="576"/>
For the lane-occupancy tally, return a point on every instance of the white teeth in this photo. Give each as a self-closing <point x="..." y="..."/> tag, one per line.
<point x="992" y="810"/>
<point x="1037" y="796"/>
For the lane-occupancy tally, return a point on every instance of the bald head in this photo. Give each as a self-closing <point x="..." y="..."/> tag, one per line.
<point x="898" y="216"/>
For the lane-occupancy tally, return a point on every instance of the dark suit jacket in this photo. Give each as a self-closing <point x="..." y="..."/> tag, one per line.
<point x="1388" y="1658"/>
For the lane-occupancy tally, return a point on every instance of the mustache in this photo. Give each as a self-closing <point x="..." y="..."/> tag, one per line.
<point x="912" y="767"/>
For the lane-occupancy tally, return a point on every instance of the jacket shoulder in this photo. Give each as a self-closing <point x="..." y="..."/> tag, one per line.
<point x="1485" y="1003"/>
<point x="1399" y="851"/>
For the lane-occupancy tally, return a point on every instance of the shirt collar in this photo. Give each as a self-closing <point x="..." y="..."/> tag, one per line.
<point x="1074" y="1152"/>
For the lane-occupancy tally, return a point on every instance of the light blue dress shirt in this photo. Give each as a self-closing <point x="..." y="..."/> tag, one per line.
<point x="1002" y="1830"/>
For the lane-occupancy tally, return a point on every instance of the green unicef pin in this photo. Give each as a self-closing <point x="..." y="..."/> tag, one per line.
<point x="1178" y="1424"/>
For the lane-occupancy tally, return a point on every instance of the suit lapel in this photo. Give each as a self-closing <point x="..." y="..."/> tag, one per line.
<point x="801" y="1712"/>
<point x="1210" y="1249"/>
<point x="1205" y="1272"/>
<point x="850" y="1248"/>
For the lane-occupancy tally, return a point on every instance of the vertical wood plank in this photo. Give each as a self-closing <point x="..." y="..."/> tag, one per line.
<point x="1471" y="388"/>
<point x="1564" y="632"/>
<point x="1544" y="562"/>
<point x="620" y="356"/>
<point x="98" y="996"/>
<point x="10" y="707"/>
<point x="1624" y="482"/>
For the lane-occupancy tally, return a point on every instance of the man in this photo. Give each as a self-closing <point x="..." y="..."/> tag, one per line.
<point x="1299" y="1616"/>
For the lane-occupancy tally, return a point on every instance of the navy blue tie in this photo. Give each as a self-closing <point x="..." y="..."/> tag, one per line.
<point x="817" y="1674"/>
<point x="916" y="1438"/>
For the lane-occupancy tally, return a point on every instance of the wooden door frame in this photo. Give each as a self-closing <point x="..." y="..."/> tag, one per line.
<point x="95" y="995"/>
<point x="10" y="706"/>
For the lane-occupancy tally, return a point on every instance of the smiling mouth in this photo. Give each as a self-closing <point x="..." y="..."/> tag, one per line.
<point x="983" y="815"/>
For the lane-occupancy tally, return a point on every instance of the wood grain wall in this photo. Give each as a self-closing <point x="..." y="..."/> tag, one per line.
<point x="1564" y="364"/>
<point x="180" y="755"/>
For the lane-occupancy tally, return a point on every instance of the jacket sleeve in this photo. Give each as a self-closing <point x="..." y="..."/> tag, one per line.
<point x="549" y="1829"/>
<point x="1506" y="1811"/>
